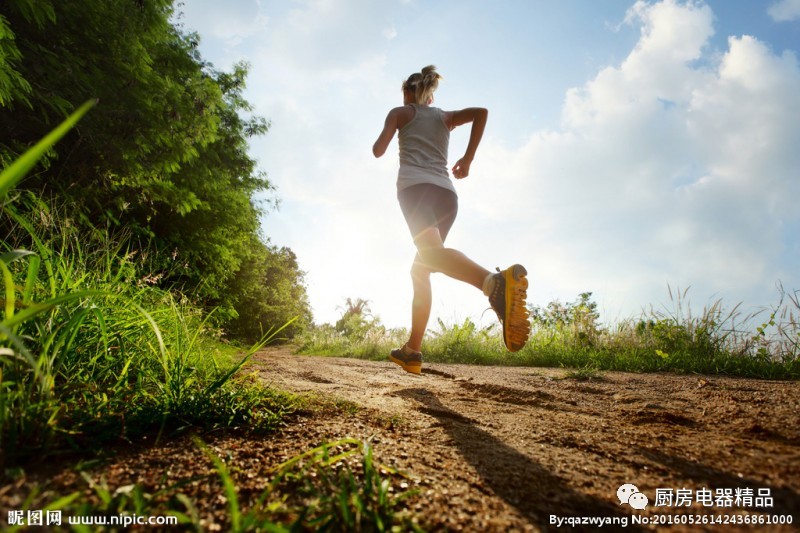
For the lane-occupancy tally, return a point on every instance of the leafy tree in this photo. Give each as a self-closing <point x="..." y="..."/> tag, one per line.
<point x="157" y="104"/>
<point x="270" y="292"/>
<point x="579" y="317"/>
<point x="556" y="314"/>
<point x="13" y="86"/>
<point x="357" y="319"/>
<point x="164" y="153"/>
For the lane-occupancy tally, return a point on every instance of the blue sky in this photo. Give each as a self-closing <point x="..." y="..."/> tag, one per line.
<point x="630" y="145"/>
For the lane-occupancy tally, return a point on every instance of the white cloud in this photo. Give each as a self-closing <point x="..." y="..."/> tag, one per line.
<point x="323" y="34"/>
<point x="663" y="170"/>
<point x="784" y="10"/>
<point x="230" y="22"/>
<point x="390" y="33"/>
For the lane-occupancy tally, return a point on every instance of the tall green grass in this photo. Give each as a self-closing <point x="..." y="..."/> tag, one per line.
<point x="90" y="350"/>
<point x="716" y="340"/>
<point x="371" y="344"/>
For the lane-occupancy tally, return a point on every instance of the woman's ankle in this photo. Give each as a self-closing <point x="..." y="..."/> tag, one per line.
<point x="408" y="350"/>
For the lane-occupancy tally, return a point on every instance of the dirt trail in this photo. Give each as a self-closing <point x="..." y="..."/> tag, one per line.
<point x="496" y="449"/>
<point x="505" y="448"/>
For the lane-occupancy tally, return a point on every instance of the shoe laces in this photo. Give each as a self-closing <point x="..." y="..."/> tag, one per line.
<point x="498" y="291"/>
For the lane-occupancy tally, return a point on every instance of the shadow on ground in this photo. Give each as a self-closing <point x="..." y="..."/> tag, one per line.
<point x="785" y="501"/>
<point x="513" y="476"/>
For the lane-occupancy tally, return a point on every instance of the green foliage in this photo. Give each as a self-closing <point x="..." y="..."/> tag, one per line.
<point x="357" y="333"/>
<point x="145" y="74"/>
<point x="464" y="343"/>
<point x="14" y="172"/>
<point x="357" y="320"/>
<point x="91" y="352"/>
<point x="163" y="155"/>
<point x="716" y="341"/>
<point x="579" y="319"/>
<point x="269" y="290"/>
<point x="13" y="86"/>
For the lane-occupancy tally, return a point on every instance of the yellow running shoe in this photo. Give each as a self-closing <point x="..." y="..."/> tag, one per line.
<point x="508" y="301"/>
<point x="410" y="360"/>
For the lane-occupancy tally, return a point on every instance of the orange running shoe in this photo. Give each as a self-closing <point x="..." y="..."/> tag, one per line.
<point x="508" y="301"/>
<point x="410" y="360"/>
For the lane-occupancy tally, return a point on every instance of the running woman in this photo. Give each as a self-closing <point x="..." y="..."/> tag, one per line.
<point x="429" y="204"/>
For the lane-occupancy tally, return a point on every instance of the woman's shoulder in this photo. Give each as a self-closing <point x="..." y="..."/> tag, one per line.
<point x="403" y="114"/>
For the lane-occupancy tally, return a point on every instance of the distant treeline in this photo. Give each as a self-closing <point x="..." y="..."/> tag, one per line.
<point x="162" y="157"/>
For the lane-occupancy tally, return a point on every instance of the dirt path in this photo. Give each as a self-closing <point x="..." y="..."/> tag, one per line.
<point x="497" y="449"/>
<point x="508" y="448"/>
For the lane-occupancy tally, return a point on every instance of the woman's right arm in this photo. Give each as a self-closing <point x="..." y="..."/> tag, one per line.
<point x="395" y="120"/>
<point x="387" y="134"/>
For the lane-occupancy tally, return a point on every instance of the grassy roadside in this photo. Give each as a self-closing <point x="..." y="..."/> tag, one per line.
<point x="91" y="352"/>
<point x="715" y="341"/>
<point x="95" y="354"/>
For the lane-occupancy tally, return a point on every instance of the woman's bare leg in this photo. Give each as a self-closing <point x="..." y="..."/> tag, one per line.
<point x="421" y="303"/>
<point x="448" y="261"/>
<point x="432" y="256"/>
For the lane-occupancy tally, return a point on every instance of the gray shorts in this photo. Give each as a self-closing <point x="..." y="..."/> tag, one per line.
<point x="428" y="206"/>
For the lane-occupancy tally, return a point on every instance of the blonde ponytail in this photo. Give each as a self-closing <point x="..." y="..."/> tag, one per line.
<point x="423" y="84"/>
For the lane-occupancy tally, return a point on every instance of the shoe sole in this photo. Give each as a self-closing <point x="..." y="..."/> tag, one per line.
<point x="516" y="326"/>
<point x="412" y="368"/>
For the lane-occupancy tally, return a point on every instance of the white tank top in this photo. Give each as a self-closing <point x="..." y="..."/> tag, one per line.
<point x="423" y="150"/>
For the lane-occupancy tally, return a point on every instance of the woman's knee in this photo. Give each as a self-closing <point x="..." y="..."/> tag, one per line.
<point x="419" y="272"/>
<point x="432" y="257"/>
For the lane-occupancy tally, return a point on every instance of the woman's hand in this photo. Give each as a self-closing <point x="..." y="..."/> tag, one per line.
<point x="461" y="168"/>
<point x="478" y="116"/>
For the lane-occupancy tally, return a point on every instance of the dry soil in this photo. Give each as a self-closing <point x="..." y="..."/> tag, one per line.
<point x="512" y="449"/>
